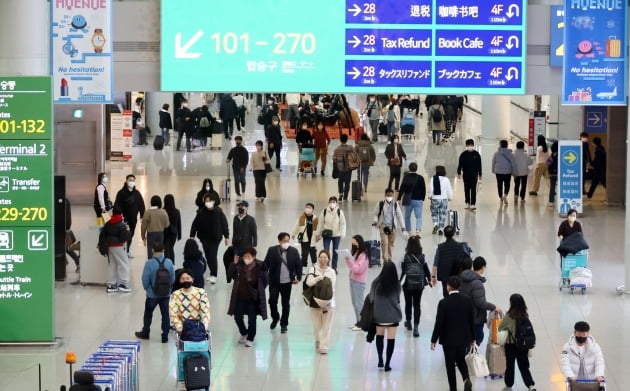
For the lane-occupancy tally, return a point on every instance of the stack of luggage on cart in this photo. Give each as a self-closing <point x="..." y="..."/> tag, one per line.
<point x="573" y="252"/>
<point x="193" y="356"/>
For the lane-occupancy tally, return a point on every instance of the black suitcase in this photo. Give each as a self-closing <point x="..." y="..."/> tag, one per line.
<point x="196" y="372"/>
<point x="142" y="136"/>
<point x="382" y="129"/>
<point x="453" y="220"/>
<point x="375" y="252"/>
<point x="356" y="189"/>
<point x="158" y="142"/>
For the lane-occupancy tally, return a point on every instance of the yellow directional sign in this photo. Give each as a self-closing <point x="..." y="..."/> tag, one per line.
<point x="570" y="157"/>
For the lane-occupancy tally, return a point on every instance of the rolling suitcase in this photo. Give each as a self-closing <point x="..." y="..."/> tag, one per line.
<point x="453" y="220"/>
<point x="142" y="136"/>
<point x="158" y="143"/>
<point x="216" y="141"/>
<point x="224" y="189"/>
<point x="196" y="372"/>
<point x="357" y="189"/>
<point x="375" y="249"/>
<point x="495" y="357"/>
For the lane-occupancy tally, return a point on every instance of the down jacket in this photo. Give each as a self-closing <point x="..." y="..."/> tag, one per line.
<point x="503" y="162"/>
<point x="472" y="286"/>
<point x="592" y="361"/>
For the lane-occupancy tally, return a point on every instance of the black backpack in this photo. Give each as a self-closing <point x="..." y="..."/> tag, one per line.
<point x="436" y="115"/>
<point x="415" y="274"/>
<point x="525" y="337"/>
<point x="162" y="285"/>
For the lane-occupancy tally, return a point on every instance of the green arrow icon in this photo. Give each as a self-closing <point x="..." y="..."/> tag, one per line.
<point x="570" y="157"/>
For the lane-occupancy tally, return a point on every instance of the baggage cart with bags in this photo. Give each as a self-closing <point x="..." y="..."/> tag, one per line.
<point x="193" y="364"/>
<point x="585" y="385"/>
<point x="306" y="160"/>
<point x="571" y="280"/>
<point x="375" y="249"/>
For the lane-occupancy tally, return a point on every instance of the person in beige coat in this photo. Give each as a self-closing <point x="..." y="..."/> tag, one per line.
<point x="322" y="317"/>
<point x="154" y="222"/>
<point x="257" y="162"/>
<point x="436" y="127"/>
<point x="304" y="230"/>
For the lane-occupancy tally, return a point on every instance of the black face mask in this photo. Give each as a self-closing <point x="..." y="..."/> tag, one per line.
<point x="238" y="144"/>
<point x="355" y="249"/>
<point x="241" y="211"/>
<point x="186" y="284"/>
<point x="580" y="339"/>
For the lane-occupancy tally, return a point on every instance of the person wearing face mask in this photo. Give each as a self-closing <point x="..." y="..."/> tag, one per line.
<point x="582" y="357"/>
<point x="209" y="226"/>
<point x="387" y="218"/>
<point x="245" y="232"/>
<point x="285" y="270"/>
<point x="321" y="140"/>
<point x="358" y="265"/>
<point x="188" y="302"/>
<point x="515" y="314"/>
<point x="185" y="125"/>
<point x="273" y="134"/>
<point x="469" y="169"/>
<point x="373" y="111"/>
<point x="154" y="222"/>
<point x="102" y="203"/>
<point x="239" y="157"/>
<point x="257" y="163"/>
<point x="569" y="226"/>
<point x="304" y="228"/>
<point x="154" y="299"/>
<point x="268" y="111"/>
<point x="322" y="316"/>
<point x="248" y="296"/>
<point x="131" y="202"/>
<point x="332" y="228"/>
<point x="395" y="155"/>
<point x="207" y="188"/>
<point x="303" y="135"/>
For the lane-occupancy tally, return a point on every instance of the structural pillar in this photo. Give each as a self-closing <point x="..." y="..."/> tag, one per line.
<point x="24" y="37"/>
<point x="495" y="126"/>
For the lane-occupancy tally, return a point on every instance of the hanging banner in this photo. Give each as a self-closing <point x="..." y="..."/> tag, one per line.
<point x="569" y="176"/>
<point x="120" y="136"/>
<point x="556" y="38"/>
<point x="81" y="51"/>
<point x="537" y="127"/>
<point x="595" y="51"/>
<point x="26" y="210"/>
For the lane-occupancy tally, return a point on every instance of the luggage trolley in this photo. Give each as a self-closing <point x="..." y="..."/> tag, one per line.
<point x="586" y="384"/>
<point x="187" y="349"/>
<point x="568" y="263"/>
<point x="306" y="160"/>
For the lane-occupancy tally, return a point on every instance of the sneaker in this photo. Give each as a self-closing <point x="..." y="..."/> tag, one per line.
<point x="130" y="256"/>
<point x="418" y="233"/>
<point x="473" y="207"/>
<point x="435" y="229"/>
<point x="124" y="288"/>
<point x="242" y="339"/>
<point x="112" y="289"/>
<point x="323" y="351"/>
<point x="213" y="280"/>
<point x="248" y="343"/>
<point x="551" y="204"/>
<point x="533" y="193"/>
<point x="467" y="206"/>
<point x="531" y="388"/>
<point x="141" y="335"/>
<point x="505" y="201"/>
<point x="356" y="328"/>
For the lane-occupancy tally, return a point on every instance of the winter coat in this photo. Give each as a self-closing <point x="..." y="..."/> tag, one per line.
<point x="165" y="120"/>
<point x="521" y="163"/>
<point x="469" y="164"/>
<point x="386" y="308"/>
<point x="503" y="162"/>
<point x="131" y="202"/>
<point x="339" y="158"/>
<point x="210" y="225"/>
<point x="437" y="126"/>
<point x="228" y="109"/>
<point x="263" y="280"/>
<point x="413" y="183"/>
<point x="371" y="153"/>
<point x="358" y="267"/>
<point x="332" y="219"/>
<point x="389" y="153"/>
<point x="592" y="361"/>
<point x="472" y="286"/>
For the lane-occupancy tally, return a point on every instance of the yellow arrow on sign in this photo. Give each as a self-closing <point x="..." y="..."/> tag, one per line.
<point x="570" y="157"/>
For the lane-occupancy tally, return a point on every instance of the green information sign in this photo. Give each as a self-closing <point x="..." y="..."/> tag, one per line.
<point x="26" y="207"/>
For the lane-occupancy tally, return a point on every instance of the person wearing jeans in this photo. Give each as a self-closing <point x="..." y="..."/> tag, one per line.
<point x="239" y="157"/>
<point x="503" y="165"/>
<point x="332" y="228"/>
<point x="340" y="162"/>
<point x="367" y="156"/>
<point x="387" y="217"/>
<point x="358" y="265"/>
<point x="552" y="170"/>
<point x="469" y="169"/>
<point x="166" y="123"/>
<point x="413" y="189"/>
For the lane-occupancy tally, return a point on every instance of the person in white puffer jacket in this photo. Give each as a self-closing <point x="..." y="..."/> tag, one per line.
<point x="581" y="357"/>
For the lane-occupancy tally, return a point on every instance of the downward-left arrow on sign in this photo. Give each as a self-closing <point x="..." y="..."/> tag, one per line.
<point x="36" y="240"/>
<point x="355" y="73"/>
<point x="181" y="51"/>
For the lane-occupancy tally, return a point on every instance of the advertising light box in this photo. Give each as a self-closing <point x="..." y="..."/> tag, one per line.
<point x="406" y="46"/>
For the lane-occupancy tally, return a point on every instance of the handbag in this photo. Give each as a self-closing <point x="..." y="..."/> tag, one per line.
<point x="476" y="362"/>
<point x="327" y="233"/>
<point x="335" y="173"/>
<point x="395" y="161"/>
<point x="268" y="168"/>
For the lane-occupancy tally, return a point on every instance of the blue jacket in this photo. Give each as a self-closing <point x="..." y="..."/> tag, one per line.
<point x="148" y="273"/>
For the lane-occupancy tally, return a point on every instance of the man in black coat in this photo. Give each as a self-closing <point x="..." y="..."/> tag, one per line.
<point x="469" y="168"/>
<point x="448" y="258"/>
<point x="285" y="270"/>
<point x="228" y="111"/>
<point x="454" y="330"/>
<point x="209" y="226"/>
<point x="131" y="202"/>
<point x="413" y="184"/>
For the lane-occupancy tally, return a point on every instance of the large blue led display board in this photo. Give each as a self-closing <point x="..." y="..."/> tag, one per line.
<point x="406" y="46"/>
<point x="595" y="54"/>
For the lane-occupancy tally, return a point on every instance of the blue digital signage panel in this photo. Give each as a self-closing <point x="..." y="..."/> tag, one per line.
<point x="595" y="53"/>
<point x="378" y="46"/>
<point x="556" y="38"/>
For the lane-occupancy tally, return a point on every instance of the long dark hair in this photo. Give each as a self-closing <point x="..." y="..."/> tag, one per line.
<point x="100" y="178"/>
<point x="518" y="308"/>
<point x="169" y="207"/>
<point x="191" y="249"/>
<point x="542" y="142"/>
<point x="207" y="181"/>
<point x="387" y="281"/>
<point x="413" y="246"/>
<point x="362" y="245"/>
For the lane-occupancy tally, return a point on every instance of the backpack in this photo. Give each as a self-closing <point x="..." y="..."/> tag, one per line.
<point x="193" y="330"/>
<point x="414" y="273"/>
<point x="380" y="208"/>
<point x="436" y="115"/>
<point x="353" y="160"/>
<point x="102" y="243"/>
<point x="391" y="115"/>
<point x="204" y="122"/>
<point x="364" y="153"/>
<point x="525" y="338"/>
<point x="162" y="284"/>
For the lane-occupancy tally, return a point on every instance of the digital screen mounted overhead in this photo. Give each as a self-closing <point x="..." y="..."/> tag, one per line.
<point x="406" y="46"/>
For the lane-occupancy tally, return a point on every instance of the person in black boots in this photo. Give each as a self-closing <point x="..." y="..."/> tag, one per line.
<point x="469" y="168"/>
<point x="415" y="276"/>
<point x="454" y="330"/>
<point x="305" y="227"/>
<point x="448" y="257"/>
<point x="273" y="134"/>
<point x="132" y="203"/>
<point x="385" y="294"/>
<point x="244" y="230"/>
<point x="209" y="226"/>
<point x="185" y="125"/>
<point x="285" y="270"/>
<point x="599" y="167"/>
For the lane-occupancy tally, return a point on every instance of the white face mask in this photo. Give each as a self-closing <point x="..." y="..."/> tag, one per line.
<point x="372" y="99"/>
<point x="105" y="180"/>
<point x="284" y="246"/>
<point x="332" y="205"/>
<point x="207" y="188"/>
<point x="209" y="204"/>
<point x="248" y="260"/>
<point x="185" y="105"/>
<point x="470" y="148"/>
<point x="275" y="122"/>
<point x="584" y="140"/>
<point x="131" y="184"/>
<point x="389" y="199"/>
<point x="572" y="219"/>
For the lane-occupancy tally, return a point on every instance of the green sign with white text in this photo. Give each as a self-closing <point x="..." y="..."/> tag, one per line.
<point x="26" y="207"/>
